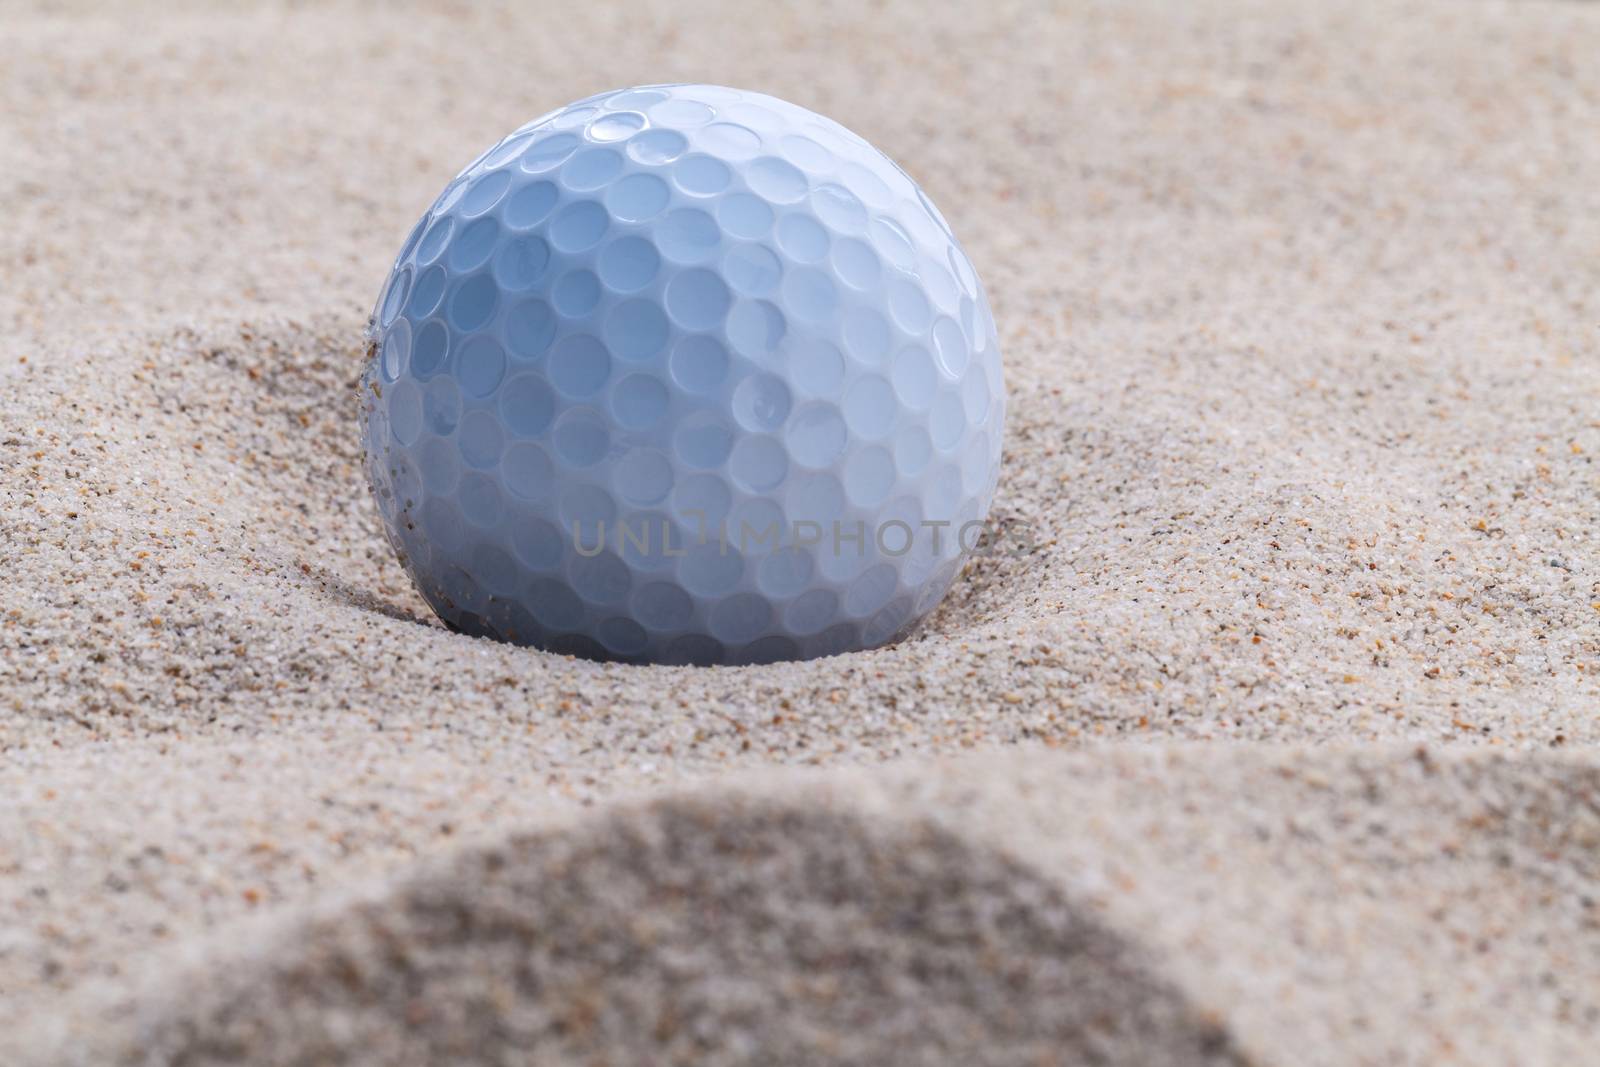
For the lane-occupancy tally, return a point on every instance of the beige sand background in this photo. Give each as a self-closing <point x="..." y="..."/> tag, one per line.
<point x="1278" y="748"/>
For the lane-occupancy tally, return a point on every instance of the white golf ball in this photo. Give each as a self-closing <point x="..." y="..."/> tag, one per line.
<point x="683" y="374"/>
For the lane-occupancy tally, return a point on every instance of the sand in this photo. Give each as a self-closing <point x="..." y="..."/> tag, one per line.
<point x="1269" y="736"/>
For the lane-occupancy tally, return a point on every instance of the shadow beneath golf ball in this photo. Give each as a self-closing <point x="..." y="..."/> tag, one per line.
<point x="335" y="587"/>
<point x="363" y="600"/>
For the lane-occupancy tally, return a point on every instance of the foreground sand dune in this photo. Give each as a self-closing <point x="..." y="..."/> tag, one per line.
<point x="1299" y="309"/>
<point x="1193" y="905"/>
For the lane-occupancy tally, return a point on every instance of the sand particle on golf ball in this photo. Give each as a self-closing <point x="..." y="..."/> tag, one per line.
<point x="683" y="374"/>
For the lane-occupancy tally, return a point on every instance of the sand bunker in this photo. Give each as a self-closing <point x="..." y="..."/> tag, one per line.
<point x="1298" y="308"/>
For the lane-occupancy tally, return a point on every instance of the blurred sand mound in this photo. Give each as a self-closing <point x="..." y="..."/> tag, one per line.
<point x="1187" y="906"/>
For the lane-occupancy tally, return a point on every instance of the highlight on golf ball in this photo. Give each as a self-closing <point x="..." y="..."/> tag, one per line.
<point x="683" y="374"/>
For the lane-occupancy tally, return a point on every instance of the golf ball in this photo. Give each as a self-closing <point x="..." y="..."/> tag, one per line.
<point x="683" y="374"/>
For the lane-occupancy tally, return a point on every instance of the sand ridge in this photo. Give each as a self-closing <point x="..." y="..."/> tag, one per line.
<point x="1298" y="309"/>
<point x="1223" y="904"/>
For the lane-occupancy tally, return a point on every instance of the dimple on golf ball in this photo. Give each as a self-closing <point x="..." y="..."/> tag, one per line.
<point x="683" y="374"/>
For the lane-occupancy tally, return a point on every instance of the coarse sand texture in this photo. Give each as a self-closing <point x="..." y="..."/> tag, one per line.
<point x="1264" y="734"/>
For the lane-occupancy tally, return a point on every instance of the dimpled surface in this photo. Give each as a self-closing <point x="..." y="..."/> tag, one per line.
<point x="683" y="374"/>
